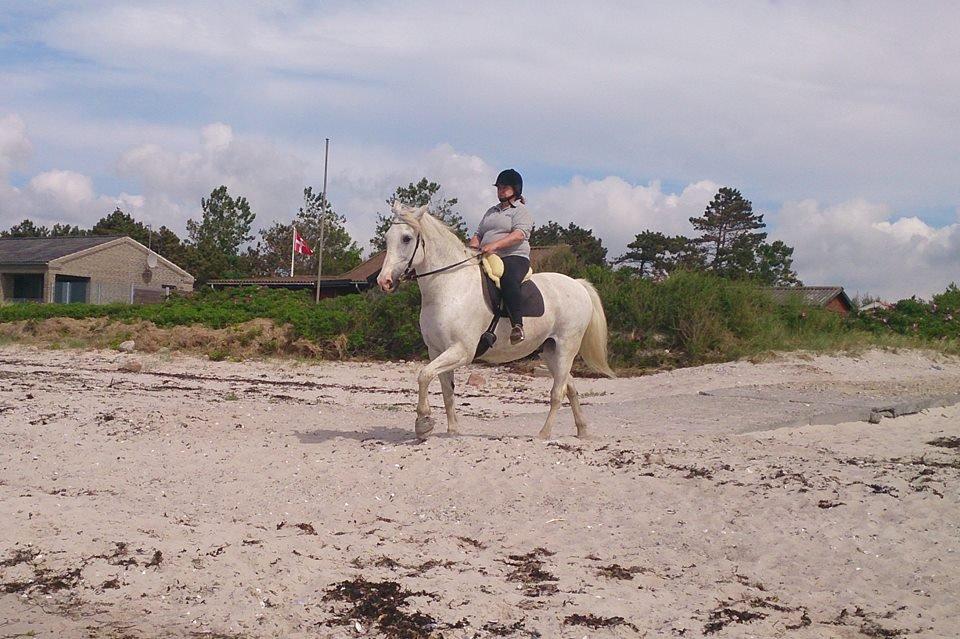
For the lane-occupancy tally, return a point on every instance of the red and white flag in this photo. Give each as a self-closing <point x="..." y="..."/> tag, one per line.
<point x="300" y="245"/>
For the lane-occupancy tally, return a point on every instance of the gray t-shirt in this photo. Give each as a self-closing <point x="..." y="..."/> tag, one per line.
<point x="497" y="223"/>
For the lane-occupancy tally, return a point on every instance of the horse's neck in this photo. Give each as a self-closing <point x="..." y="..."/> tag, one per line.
<point x="437" y="254"/>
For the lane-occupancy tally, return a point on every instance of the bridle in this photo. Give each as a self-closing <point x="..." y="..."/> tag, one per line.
<point x="410" y="275"/>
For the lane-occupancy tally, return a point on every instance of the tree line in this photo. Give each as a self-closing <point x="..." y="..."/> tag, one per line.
<point x="729" y="240"/>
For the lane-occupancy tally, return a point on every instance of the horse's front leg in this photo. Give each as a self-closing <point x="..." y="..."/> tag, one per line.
<point x="447" y="361"/>
<point x="446" y="385"/>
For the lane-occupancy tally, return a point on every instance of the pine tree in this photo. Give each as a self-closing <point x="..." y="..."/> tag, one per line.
<point x="585" y="245"/>
<point x="775" y="265"/>
<point x="729" y="239"/>
<point x="271" y="257"/>
<point x="162" y="241"/>
<point x="26" y="228"/>
<point x="213" y="246"/>
<point x="653" y="254"/>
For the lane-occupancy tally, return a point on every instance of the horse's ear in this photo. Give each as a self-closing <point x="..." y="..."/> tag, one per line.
<point x="419" y="211"/>
<point x="397" y="208"/>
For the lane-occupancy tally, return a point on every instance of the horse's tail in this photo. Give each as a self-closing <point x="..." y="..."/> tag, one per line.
<point x="593" y="347"/>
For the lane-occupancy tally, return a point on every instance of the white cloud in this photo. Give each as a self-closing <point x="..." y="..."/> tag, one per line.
<point x="216" y="136"/>
<point x="859" y="245"/>
<point x="173" y="181"/>
<point x="15" y="146"/>
<point x="617" y="210"/>
<point x="64" y="190"/>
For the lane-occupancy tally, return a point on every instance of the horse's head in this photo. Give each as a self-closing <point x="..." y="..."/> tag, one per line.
<point x="403" y="241"/>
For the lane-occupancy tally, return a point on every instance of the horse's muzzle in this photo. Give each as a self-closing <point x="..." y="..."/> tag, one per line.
<point x="389" y="285"/>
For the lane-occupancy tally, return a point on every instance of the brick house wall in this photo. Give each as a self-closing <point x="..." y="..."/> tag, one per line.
<point x="117" y="270"/>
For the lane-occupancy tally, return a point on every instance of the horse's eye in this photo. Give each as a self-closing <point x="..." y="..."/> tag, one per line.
<point x="406" y="239"/>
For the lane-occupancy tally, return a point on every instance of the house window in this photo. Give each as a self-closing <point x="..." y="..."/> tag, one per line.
<point x="71" y="290"/>
<point x="28" y="287"/>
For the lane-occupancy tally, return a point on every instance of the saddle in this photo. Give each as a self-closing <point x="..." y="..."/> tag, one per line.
<point x="531" y="299"/>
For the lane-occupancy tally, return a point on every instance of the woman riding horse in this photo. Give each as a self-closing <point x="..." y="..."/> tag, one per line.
<point x="505" y="230"/>
<point x="454" y="315"/>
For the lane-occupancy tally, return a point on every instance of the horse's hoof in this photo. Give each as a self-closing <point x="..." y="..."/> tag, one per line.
<point x="543" y="436"/>
<point x="424" y="426"/>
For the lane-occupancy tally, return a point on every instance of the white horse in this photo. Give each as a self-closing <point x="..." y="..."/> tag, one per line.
<point x="454" y="314"/>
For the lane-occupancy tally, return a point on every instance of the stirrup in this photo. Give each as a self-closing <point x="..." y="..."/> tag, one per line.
<point x="516" y="334"/>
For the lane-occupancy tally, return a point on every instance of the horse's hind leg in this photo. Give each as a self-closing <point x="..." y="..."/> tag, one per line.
<point x="574" y="398"/>
<point x="446" y="385"/>
<point x="559" y="363"/>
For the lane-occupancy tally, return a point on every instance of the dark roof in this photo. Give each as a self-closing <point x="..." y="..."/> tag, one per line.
<point x="41" y="250"/>
<point x="366" y="269"/>
<point x="813" y="295"/>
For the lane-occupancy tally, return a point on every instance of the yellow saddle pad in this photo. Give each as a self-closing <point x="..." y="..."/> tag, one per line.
<point x="493" y="267"/>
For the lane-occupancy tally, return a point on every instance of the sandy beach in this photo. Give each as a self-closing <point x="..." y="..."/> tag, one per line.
<point x="290" y="499"/>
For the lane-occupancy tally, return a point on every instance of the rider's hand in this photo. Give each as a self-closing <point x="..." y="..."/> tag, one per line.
<point x="489" y="248"/>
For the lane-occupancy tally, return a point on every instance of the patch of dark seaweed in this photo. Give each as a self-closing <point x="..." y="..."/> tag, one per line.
<point x="828" y="503"/>
<point x="540" y="589"/>
<point x="528" y="568"/>
<point x="868" y="626"/>
<point x="497" y="629"/>
<point x="616" y="571"/>
<point x="472" y="542"/>
<point x="693" y="472"/>
<point x="595" y="622"/>
<point x="19" y="556"/>
<point x="725" y="615"/>
<point x="378" y="603"/>
<point x="44" y="581"/>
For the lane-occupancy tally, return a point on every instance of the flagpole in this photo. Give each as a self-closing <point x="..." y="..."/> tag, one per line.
<point x="293" y="248"/>
<point x="323" y="203"/>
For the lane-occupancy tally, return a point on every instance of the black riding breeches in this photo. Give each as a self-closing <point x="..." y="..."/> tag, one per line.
<point x="515" y="268"/>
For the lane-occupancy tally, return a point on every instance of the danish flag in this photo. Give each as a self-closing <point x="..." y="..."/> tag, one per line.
<point x="300" y="245"/>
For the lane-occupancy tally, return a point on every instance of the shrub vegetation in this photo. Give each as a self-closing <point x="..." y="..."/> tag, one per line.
<point x="689" y="318"/>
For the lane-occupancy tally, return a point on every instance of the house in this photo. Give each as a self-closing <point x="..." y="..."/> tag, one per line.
<point x="91" y="269"/>
<point x="832" y="298"/>
<point x="357" y="279"/>
<point x="876" y="306"/>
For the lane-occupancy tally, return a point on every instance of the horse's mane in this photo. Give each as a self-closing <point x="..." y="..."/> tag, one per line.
<point x="431" y="227"/>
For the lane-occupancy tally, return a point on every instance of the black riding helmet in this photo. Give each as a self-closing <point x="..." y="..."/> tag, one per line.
<point x="510" y="177"/>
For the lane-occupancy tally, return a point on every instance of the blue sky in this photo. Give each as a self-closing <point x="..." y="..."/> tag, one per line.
<point x="838" y="120"/>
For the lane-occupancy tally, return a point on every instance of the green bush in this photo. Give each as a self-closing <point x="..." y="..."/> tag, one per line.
<point x="937" y="320"/>
<point x="691" y="317"/>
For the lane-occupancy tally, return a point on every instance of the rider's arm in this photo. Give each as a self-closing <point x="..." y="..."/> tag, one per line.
<point x="474" y="242"/>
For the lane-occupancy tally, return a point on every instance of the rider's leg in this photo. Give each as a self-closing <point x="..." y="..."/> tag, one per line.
<point x="515" y="267"/>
